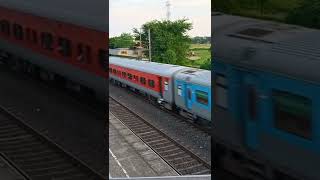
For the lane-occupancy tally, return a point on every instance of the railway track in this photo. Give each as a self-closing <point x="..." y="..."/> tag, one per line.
<point x="178" y="157"/>
<point x="35" y="156"/>
<point x="203" y="128"/>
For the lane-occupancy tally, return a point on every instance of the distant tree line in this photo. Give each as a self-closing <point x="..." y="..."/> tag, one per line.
<point x="201" y="40"/>
<point x="299" y="12"/>
<point x="125" y="40"/>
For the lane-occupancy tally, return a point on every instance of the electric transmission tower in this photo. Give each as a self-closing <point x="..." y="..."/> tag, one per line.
<point x="168" y="5"/>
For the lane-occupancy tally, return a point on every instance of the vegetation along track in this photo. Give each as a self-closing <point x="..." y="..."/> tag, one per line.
<point x="178" y="157"/>
<point x="35" y="156"/>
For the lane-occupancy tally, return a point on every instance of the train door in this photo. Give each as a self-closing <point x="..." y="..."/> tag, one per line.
<point x="160" y="86"/>
<point x="250" y="112"/>
<point x="188" y="94"/>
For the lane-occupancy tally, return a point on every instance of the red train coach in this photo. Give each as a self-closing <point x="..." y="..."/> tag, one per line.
<point x="57" y="41"/>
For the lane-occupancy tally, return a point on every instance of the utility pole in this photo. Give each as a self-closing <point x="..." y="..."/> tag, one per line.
<point x="149" y="35"/>
<point x="140" y="38"/>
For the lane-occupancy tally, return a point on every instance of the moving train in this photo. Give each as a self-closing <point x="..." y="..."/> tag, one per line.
<point x="266" y="84"/>
<point x="56" y="40"/>
<point x="183" y="89"/>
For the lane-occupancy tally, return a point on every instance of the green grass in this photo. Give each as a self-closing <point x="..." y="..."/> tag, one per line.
<point x="202" y="51"/>
<point x="200" y="46"/>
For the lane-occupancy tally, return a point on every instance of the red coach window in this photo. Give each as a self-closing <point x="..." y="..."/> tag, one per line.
<point x="18" y="31"/>
<point x="129" y="76"/>
<point x="143" y="80"/>
<point x="151" y="83"/>
<point x="124" y="74"/>
<point x="5" y="27"/>
<point x="65" y="47"/>
<point x="47" y="41"/>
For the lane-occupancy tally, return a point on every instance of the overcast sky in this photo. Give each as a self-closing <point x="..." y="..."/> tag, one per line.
<point x="128" y="14"/>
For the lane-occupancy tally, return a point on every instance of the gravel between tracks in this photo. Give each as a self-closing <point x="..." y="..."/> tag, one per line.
<point x="196" y="141"/>
<point x="57" y="115"/>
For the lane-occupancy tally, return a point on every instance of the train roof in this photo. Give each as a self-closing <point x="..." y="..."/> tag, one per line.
<point x="268" y="46"/>
<point x="92" y="14"/>
<point x="197" y="76"/>
<point x="145" y="66"/>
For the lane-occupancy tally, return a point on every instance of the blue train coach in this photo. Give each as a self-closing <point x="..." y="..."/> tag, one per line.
<point x="193" y="93"/>
<point x="266" y="88"/>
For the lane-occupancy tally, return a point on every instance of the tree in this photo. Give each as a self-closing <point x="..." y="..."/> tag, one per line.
<point x="125" y="40"/>
<point x="169" y="41"/>
<point x="307" y="14"/>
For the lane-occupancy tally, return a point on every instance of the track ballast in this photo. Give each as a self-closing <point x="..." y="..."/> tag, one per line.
<point x="37" y="157"/>
<point x="178" y="157"/>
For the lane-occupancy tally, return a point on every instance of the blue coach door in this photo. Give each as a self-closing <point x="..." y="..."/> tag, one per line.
<point x="188" y="96"/>
<point x="251" y="112"/>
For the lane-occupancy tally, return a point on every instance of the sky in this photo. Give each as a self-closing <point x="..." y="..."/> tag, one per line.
<point x="124" y="15"/>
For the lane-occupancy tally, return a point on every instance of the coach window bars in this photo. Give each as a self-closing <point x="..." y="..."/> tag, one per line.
<point x="151" y="83"/>
<point x="47" y="41"/>
<point x="124" y="74"/>
<point x="64" y="47"/>
<point x="18" y="31"/>
<point x="5" y="27"/>
<point x="292" y="113"/>
<point x="84" y="53"/>
<point x="129" y="76"/>
<point x="143" y="80"/>
<point x="202" y="97"/>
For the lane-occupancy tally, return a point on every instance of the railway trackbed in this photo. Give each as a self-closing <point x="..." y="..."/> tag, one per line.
<point x="37" y="157"/>
<point x="178" y="157"/>
<point x="203" y="128"/>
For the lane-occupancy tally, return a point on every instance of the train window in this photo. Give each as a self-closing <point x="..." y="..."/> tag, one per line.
<point x="202" y="97"/>
<point x="179" y="90"/>
<point x="166" y="86"/>
<point x="292" y="113"/>
<point x="151" y="83"/>
<point x="142" y="80"/>
<point x="18" y="31"/>
<point x="47" y="41"/>
<point x="5" y="27"/>
<point x="84" y="53"/>
<point x="110" y="70"/>
<point x="114" y="71"/>
<point x="34" y="37"/>
<point x="252" y="103"/>
<point x="103" y="59"/>
<point x="129" y="76"/>
<point x="64" y="46"/>
<point x="124" y="74"/>
<point x="221" y="91"/>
